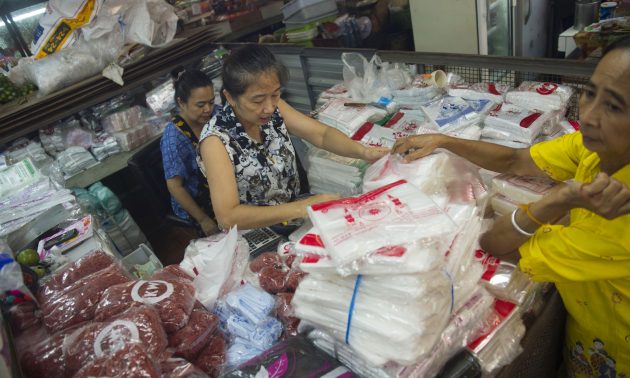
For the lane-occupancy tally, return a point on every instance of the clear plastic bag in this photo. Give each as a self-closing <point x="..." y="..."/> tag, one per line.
<point x="522" y="189"/>
<point x="132" y="360"/>
<point x="161" y="99"/>
<point x="362" y="78"/>
<point x="494" y="92"/>
<point x="195" y="335"/>
<point x="212" y="358"/>
<point x="180" y="368"/>
<point x="173" y="297"/>
<point x="539" y="96"/>
<point x="451" y="113"/>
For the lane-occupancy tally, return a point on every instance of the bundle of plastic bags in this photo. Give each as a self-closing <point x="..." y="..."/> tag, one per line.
<point x="452" y="113"/>
<point x="348" y="119"/>
<point x="543" y="97"/>
<point x="330" y="173"/>
<point x="514" y="123"/>
<point x="494" y="92"/>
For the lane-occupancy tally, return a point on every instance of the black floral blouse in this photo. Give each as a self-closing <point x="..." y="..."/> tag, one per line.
<point x="266" y="173"/>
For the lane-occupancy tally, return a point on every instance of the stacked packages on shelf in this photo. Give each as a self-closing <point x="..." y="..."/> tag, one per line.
<point x="333" y="173"/>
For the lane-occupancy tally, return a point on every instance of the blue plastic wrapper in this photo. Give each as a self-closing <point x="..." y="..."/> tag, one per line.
<point x="241" y="351"/>
<point x="254" y="304"/>
<point x="266" y="333"/>
<point x="238" y="326"/>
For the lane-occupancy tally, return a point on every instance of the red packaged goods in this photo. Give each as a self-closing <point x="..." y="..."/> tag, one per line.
<point x="173" y="297"/>
<point x="180" y="368"/>
<point x="272" y="279"/>
<point x="79" y="303"/>
<point x="24" y="315"/>
<point x="285" y="314"/>
<point x="130" y="362"/>
<point x="171" y="270"/>
<point x="139" y="324"/>
<point x="265" y="259"/>
<point x="212" y="357"/>
<point x="293" y="280"/>
<point x="45" y="359"/>
<point x="190" y="340"/>
<point x="86" y="265"/>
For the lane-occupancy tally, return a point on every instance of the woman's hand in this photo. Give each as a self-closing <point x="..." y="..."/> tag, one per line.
<point x="417" y="146"/>
<point x="208" y="226"/>
<point x="605" y="196"/>
<point x="372" y="154"/>
<point x="317" y="198"/>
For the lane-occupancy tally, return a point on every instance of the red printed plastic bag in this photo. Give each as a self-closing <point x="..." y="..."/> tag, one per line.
<point x="173" y="297"/>
<point x="137" y="325"/>
<point x="130" y="361"/>
<point x="79" y="303"/>
<point x="190" y="340"/>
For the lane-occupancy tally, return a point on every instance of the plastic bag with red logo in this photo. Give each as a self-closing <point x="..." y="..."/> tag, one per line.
<point x="384" y="226"/>
<point x="503" y="279"/>
<point x="139" y="324"/>
<point x="173" y="297"/>
<point x="521" y="189"/>
<point x="514" y="123"/>
<point x="451" y="113"/>
<point x="130" y="361"/>
<point x="494" y="92"/>
<point x="78" y="302"/>
<point x="190" y="340"/>
<point x="540" y="96"/>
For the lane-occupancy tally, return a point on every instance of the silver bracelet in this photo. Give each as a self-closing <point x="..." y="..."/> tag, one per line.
<point x="517" y="227"/>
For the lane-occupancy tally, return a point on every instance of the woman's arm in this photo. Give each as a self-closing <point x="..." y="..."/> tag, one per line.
<point x="176" y="187"/>
<point x="490" y="156"/>
<point x="605" y="196"/>
<point x="325" y="137"/>
<point x="225" y="199"/>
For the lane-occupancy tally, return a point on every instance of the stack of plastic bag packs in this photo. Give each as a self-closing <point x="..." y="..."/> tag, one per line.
<point x="513" y="125"/>
<point x="510" y="191"/>
<point x="419" y="92"/>
<point x="452" y="113"/>
<point x="336" y="91"/>
<point x="542" y="97"/>
<point x="494" y="92"/>
<point x="127" y="127"/>
<point x="25" y="193"/>
<point x="74" y="160"/>
<point x="401" y="124"/>
<point x="330" y="173"/>
<point x="348" y="119"/>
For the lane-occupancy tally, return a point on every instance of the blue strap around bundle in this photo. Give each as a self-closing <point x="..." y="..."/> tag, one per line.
<point x="351" y="309"/>
<point x="452" y="290"/>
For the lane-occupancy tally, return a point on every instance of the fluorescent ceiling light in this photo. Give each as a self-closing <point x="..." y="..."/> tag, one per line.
<point x="26" y="15"/>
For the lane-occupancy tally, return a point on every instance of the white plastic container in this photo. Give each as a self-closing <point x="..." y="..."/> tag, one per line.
<point x="141" y="256"/>
<point x="304" y="10"/>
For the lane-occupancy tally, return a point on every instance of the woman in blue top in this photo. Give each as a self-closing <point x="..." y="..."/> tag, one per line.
<point x="246" y="148"/>
<point x="190" y="198"/>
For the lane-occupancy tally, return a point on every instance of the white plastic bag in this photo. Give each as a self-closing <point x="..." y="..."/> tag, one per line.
<point x="151" y="22"/>
<point x="362" y="79"/>
<point x="217" y="263"/>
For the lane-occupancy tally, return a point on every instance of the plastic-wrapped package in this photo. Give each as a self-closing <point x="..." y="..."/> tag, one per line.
<point x="74" y="160"/>
<point x="122" y="120"/>
<point x="253" y="304"/>
<point x="464" y="325"/>
<point x="294" y="357"/>
<point x="522" y="189"/>
<point x="180" y="368"/>
<point x="52" y="140"/>
<point x="541" y="96"/>
<point x="502" y="205"/>
<point x="18" y="176"/>
<point x="190" y="340"/>
<point x="240" y="351"/>
<point x="23" y="315"/>
<point x="140" y="324"/>
<point x="330" y="173"/>
<point x="161" y="99"/>
<point x="382" y="225"/>
<point x="264" y="260"/>
<point x="173" y="297"/>
<point x="338" y="90"/>
<point x="500" y="345"/>
<point x="503" y="279"/>
<point x="212" y="358"/>
<point x="133" y="137"/>
<point x="104" y="145"/>
<point x="419" y="91"/>
<point x="218" y="263"/>
<point x="382" y="327"/>
<point x="512" y="122"/>
<point x="273" y="279"/>
<point x="284" y="310"/>
<point x="373" y="135"/>
<point x="61" y="282"/>
<point x="45" y="358"/>
<point x="494" y="92"/>
<point x="75" y="135"/>
<point x="79" y="301"/>
<point x="451" y="113"/>
<point x="130" y="361"/>
<point x="348" y="119"/>
<point x="169" y="271"/>
<point x="24" y="148"/>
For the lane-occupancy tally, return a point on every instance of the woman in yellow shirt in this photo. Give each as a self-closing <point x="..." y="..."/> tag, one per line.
<point x="588" y="260"/>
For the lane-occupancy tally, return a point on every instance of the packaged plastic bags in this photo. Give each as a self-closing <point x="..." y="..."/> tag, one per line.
<point x="514" y="123"/>
<point x="539" y="96"/>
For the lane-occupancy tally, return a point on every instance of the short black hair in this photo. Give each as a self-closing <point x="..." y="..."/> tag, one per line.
<point x="243" y="66"/>
<point x="185" y="80"/>
<point x="620" y="44"/>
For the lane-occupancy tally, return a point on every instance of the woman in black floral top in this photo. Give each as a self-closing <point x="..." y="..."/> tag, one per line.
<point x="246" y="151"/>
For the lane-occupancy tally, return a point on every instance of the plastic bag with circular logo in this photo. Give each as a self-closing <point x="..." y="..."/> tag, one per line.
<point x="173" y="297"/>
<point x="138" y="325"/>
<point x="541" y="96"/>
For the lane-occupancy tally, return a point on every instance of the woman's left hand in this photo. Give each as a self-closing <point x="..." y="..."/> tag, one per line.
<point x="372" y="154"/>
